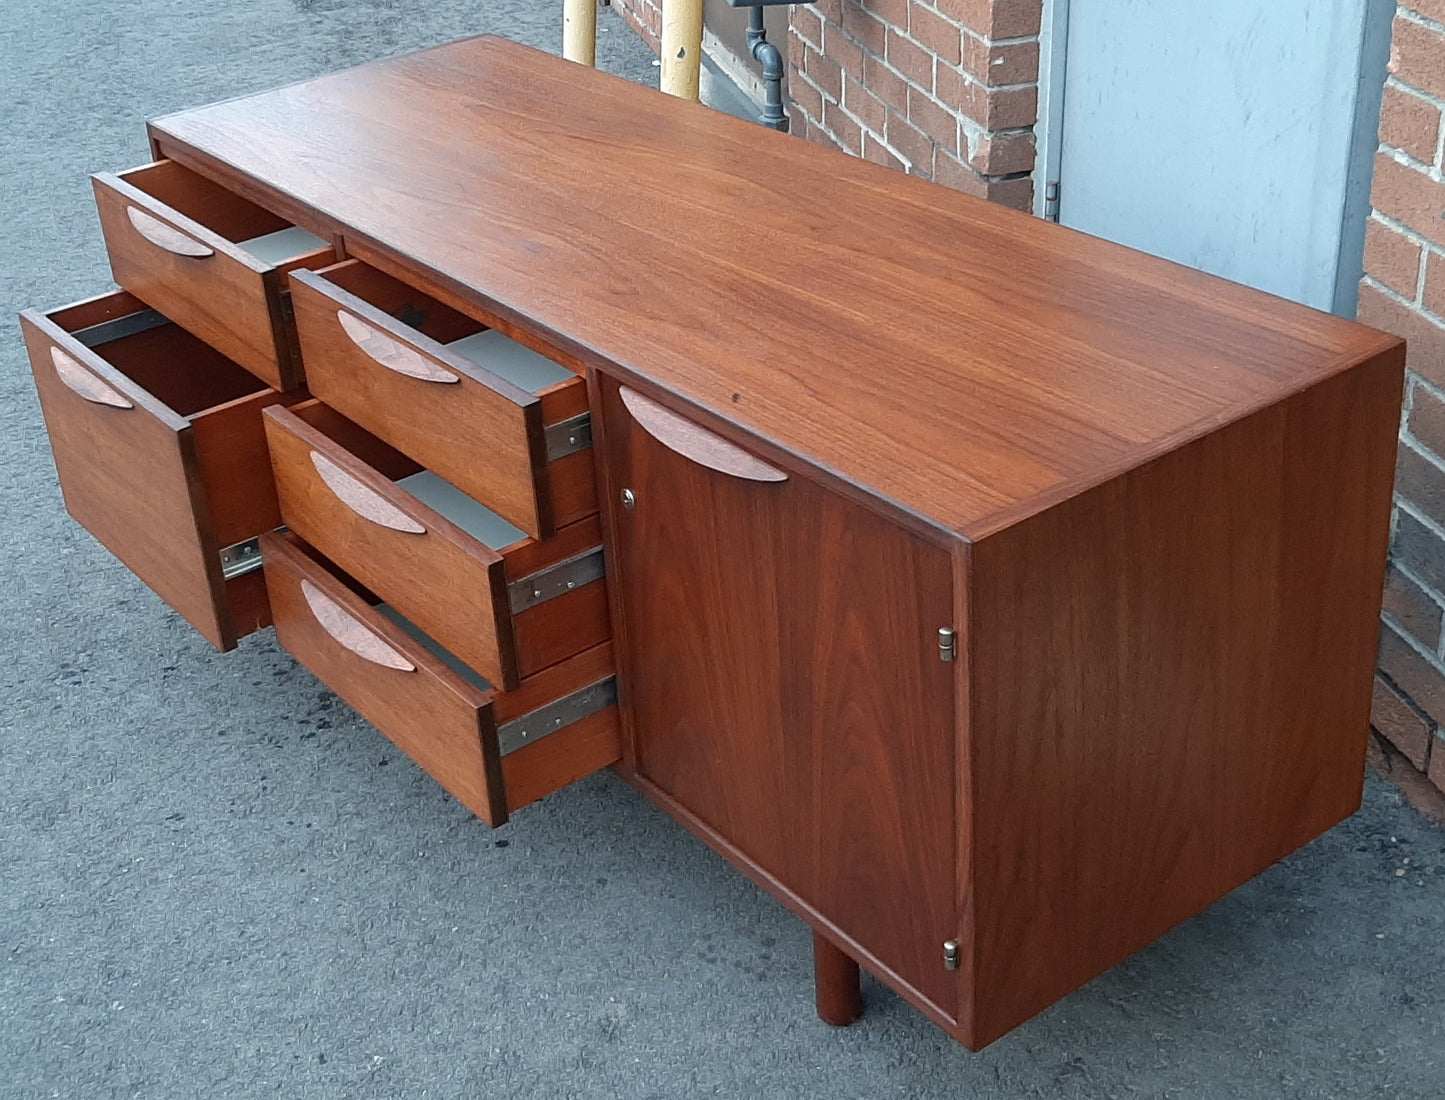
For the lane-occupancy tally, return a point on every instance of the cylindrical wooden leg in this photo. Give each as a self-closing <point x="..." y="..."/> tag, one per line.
<point x="835" y="982"/>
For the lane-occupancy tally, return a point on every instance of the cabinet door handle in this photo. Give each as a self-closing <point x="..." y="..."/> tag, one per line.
<point x="349" y="632"/>
<point x="687" y="439"/>
<point x="166" y="237"/>
<point x="365" y="501"/>
<point x="391" y="353"/>
<point x="82" y="382"/>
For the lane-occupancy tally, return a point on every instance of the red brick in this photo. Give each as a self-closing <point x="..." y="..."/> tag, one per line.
<point x="831" y="10"/>
<point x="1016" y="194"/>
<point x="1006" y="63"/>
<point x="1430" y="9"/>
<point x="797" y="53"/>
<point x="1005" y="109"/>
<point x="1416" y="677"/>
<point x="996" y="18"/>
<point x="1435" y="284"/>
<point x="1411" y="197"/>
<point x="910" y="59"/>
<point x="940" y="36"/>
<point x="1415" y="56"/>
<point x="885" y="84"/>
<point x="1392" y="715"/>
<point x="1004" y="154"/>
<point x="879" y="153"/>
<point x="1421" y="482"/>
<point x="1427" y="420"/>
<point x="826" y="74"/>
<point x="1392" y="258"/>
<point x="842" y="49"/>
<point x="951" y="88"/>
<point x="847" y="132"/>
<point x="913" y="143"/>
<point x="1410" y="124"/>
<point x="933" y="120"/>
<point x="1413" y="608"/>
<point x="805" y="97"/>
<point x="808" y="24"/>
<point x="866" y="106"/>
<point x="1425" y="338"/>
<point x="892" y="12"/>
<point x="868" y="32"/>
<point x="1437" y="763"/>
<point x="952" y="172"/>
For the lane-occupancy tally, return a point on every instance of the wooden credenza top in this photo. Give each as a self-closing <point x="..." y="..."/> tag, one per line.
<point x="969" y="363"/>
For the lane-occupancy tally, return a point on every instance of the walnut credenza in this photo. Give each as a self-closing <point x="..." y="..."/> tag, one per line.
<point x="994" y="596"/>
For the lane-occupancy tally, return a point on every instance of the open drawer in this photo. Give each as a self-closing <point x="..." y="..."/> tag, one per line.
<point x="161" y="454"/>
<point x="506" y="604"/>
<point x="212" y="261"/>
<point x="493" y="751"/>
<point x="500" y="421"/>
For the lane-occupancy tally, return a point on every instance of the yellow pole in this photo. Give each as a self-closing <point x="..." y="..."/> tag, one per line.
<point x="681" y="47"/>
<point x="579" y="31"/>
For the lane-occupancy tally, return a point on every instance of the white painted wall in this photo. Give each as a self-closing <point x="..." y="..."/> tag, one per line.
<point x="1222" y="135"/>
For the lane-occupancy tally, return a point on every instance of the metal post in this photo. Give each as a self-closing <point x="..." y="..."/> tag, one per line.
<point x="681" y="47"/>
<point x="579" y="31"/>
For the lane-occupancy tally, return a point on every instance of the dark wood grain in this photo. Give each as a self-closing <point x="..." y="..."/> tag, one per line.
<point x="1171" y="686"/>
<point x="176" y="474"/>
<point x="177" y="253"/>
<point x="835" y="984"/>
<point x="784" y="686"/>
<point x="968" y="362"/>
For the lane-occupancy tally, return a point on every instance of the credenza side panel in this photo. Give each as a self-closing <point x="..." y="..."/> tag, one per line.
<point x="1171" y="685"/>
<point x="783" y="686"/>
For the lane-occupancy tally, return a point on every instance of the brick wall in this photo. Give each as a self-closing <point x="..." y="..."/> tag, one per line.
<point x="1404" y="291"/>
<point x="645" y="17"/>
<point x="947" y="89"/>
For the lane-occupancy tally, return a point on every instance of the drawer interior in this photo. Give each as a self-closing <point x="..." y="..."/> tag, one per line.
<point x="183" y="373"/>
<point x="518" y="362"/>
<point x="473" y="517"/>
<point x="269" y="238"/>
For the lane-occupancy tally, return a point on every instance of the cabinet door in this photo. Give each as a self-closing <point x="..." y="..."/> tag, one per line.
<point x="784" y="683"/>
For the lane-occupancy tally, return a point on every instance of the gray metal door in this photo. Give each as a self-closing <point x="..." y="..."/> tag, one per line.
<point x="1232" y="136"/>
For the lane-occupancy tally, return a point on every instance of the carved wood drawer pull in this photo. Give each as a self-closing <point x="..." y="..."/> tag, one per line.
<point x="164" y="236"/>
<point x="698" y="444"/>
<point x="350" y="632"/>
<point x="391" y="354"/>
<point x="84" y="383"/>
<point x="362" y="499"/>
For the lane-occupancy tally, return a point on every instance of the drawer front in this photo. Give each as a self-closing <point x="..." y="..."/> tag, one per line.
<point x="436" y="575"/>
<point x="135" y="473"/>
<point x="494" y="752"/>
<point x="199" y="279"/>
<point x="481" y="433"/>
<point x="438" y="719"/>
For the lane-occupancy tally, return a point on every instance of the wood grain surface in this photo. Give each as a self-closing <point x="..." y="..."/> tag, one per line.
<point x="967" y="362"/>
<point x="178" y="254"/>
<point x="1171" y="686"/>
<point x="171" y="475"/>
<point x="430" y="713"/>
<point x="784" y="686"/>
<point x="478" y="431"/>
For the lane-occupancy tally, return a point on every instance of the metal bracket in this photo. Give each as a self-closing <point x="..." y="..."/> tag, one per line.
<point x="241" y="558"/>
<point x="1051" y="200"/>
<point x="568" y="436"/>
<point x="557" y="715"/>
<point x="117" y="327"/>
<point x="950" y="955"/>
<point x="947" y="644"/>
<point x="556" y="580"/>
